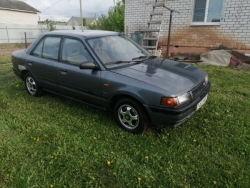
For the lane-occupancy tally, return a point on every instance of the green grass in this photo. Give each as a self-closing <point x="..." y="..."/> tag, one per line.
<point x="55" y="142"/>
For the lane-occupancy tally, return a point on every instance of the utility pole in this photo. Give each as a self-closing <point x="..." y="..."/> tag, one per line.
<point x="81" y="13"/>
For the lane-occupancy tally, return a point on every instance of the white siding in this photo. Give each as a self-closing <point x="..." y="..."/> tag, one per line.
<point x="14" y="33"/>
<point x="14" y="17"/>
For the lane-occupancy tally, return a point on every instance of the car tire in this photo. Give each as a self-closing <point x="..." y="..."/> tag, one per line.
<point x="130" y="116"/>
<point x="32" y="86"/>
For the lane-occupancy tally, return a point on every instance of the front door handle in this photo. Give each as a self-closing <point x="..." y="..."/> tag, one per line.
<point x="30" y="63"/>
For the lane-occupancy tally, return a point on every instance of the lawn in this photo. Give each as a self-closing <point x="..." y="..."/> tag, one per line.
<point x="51" y="141"/>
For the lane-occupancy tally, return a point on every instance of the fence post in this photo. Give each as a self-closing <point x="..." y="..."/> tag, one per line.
<point x="7" y="34"/>
<point x="25" y="40"/>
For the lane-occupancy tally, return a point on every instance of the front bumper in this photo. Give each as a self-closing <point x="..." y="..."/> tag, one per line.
<point x="171" y="117"/>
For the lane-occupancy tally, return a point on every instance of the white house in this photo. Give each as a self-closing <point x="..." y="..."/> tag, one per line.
<point x="17" y="12"/>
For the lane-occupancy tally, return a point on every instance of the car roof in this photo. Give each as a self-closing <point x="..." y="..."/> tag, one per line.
<point x="84" y="33"/>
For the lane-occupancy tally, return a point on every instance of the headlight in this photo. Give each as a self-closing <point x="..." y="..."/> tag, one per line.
<point x="184" y="98"/>
<point x="175" y="101"/>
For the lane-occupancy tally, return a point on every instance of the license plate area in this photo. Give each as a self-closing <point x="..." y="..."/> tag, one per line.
<point x="200" y="104"/>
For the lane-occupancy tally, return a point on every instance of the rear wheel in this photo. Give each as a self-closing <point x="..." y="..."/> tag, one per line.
<point x="131" y="116"/>
<point x="32" y="86"/>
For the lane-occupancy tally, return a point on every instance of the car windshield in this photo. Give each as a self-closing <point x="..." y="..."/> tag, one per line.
<point x="117" y="50"/>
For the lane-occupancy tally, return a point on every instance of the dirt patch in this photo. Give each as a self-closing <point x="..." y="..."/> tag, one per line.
<point x="7" y="49"/>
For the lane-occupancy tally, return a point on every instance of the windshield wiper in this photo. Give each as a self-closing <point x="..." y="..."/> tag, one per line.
<point x="142" y="58"/>
<point x="136" y="59"/>
<point x="117" y="62"/>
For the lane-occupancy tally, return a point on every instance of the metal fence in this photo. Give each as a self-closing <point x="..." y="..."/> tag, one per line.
<point x="14" y="33"/>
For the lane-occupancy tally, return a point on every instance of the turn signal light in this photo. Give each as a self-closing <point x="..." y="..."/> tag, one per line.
<point x="171" y="102"/>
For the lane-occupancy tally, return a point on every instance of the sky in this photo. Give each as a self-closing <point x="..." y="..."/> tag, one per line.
<point x="63" y="10"/>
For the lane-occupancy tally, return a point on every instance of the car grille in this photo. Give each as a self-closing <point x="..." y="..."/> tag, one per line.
<point x="198" y="89"/>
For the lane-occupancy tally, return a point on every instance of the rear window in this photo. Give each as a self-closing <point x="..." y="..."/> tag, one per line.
<point x="48" y="48"/>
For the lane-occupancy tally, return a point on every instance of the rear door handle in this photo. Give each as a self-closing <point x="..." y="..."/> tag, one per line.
<point x="30" y="63"/>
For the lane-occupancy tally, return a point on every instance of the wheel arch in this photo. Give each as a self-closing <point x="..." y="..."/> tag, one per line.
<point x="119" y="96"/>
<point x="38" y="90"/>
<point x="24" y="72"/>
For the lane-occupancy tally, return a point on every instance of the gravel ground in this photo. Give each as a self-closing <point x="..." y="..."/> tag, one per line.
<point x="7" y="49"/>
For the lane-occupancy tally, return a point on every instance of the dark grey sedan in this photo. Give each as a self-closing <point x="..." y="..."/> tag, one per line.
<point x="109" y="71"/>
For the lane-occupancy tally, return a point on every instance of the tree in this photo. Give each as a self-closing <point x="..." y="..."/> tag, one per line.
<point x="84" y="22"/>
<point x="50" y="25"/>
<point x="114" y="21"/>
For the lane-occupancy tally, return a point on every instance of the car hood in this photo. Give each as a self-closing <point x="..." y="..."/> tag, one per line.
<point x="174" y="77"/>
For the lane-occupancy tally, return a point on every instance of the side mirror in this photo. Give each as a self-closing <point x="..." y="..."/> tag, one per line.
<point x="88" y="65"/>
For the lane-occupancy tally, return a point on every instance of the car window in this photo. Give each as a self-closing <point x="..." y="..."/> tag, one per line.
<point x="51" y="47"/>
<point x="39" y="49"/>
<point x="74" y="52"/>
<point x="115" y="48"/>
<point x="99" y="45"/>
<point x="48" y="48"/>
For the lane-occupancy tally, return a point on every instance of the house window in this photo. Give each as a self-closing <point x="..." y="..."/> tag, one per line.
<point x="207" y="10"/>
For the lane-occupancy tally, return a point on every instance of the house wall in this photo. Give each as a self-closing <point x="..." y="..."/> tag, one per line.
<point x="14" y="17"/>
<point x="233" y="32"/>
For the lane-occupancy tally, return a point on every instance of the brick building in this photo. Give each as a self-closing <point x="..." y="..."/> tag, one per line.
<point x="200" y="25"/>
<point x="17" y="12"/>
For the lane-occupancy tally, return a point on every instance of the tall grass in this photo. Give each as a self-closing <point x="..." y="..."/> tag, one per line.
<point x="54" y="142"/>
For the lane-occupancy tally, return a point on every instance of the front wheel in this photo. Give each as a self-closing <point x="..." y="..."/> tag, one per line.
<point x="131" y="116"/>
<point x="32" y="86"/>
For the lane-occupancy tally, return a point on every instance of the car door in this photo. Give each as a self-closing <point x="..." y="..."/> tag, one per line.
<point x="43" y="62"/>
<point x="83" y="84"/>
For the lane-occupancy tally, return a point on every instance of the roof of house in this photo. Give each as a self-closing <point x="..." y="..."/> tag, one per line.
<point x="78" y="19"/>
<point x="89" y="20"/>
<point x="17" y="6"/>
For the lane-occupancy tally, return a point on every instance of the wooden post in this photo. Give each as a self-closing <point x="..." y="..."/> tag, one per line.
<point x="7" y="34"/>
<point x="169" y="33"/>
<point x="25" y="40"/>
<point x="169" y="27"/>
